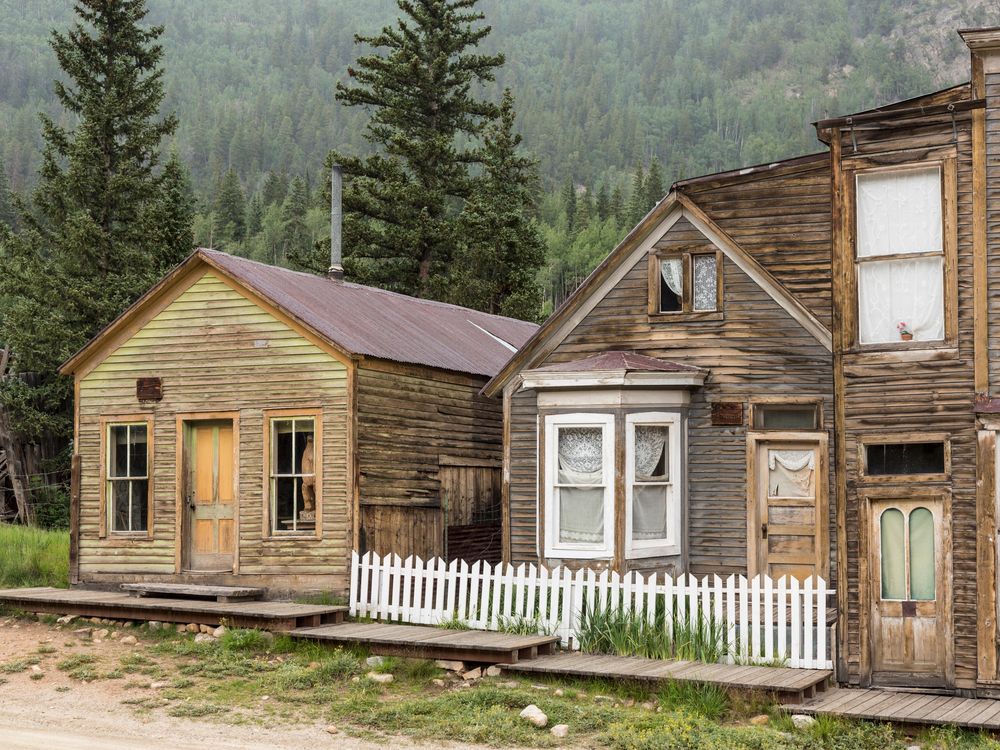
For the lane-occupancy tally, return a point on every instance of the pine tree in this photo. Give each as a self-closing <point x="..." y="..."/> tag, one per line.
<point x="275" y="188"/>
<point x="255" y="216"/>
<point x="637" y="198"/>
<point x="400" y="222"/>
<point x="496" y="268"/>
<point x="603" y="204"/>
<point x="230" y="208"/>
<point x="616" y="208"/>
<point x="8" y="216"/>
<point x="569" y="204"/>
<point x="295" y="239"/>
<point x="104" y="223"/>
<point x="653" y="185"/>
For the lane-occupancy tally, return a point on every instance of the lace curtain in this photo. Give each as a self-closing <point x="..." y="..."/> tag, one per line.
<point x="891" y="292"/>
<point x="649" y="501"/>
<point x="791" y="473"/>
<point x="899" y="212"/>
<point x="706" y="283"/>
<point x="650" y="441"/>
<point x="672" y="271"/>
<point x="581" y="462"/>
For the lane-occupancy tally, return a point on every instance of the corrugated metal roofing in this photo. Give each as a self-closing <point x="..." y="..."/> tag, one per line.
<point x="619" y="360"/>
<point x="386" y="325"/>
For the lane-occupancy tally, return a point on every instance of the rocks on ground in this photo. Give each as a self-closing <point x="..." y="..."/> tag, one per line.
<point x="760" y="720"/>
<point x="473" y="674"/>
<point x="560" y="730"/>
<point x="129" y="640"/>
<point x="801" y="721"/>
<point x="493" y="671"/>
<point x="380" y="678"/>
<point x="204" y="638"/>
<point x="375" y="661"/>
<point x="534" y="715"/>
<point x="450" y="666"/>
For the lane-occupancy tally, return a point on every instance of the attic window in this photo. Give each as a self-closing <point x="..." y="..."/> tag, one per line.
<point x="684" y="281"/>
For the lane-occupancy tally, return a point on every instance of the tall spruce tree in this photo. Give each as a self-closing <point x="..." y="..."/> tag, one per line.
<point x="295" y="239"/>
<point x="230" y="208"/>
<point x="104" y="221"/>
<point x="653" y="185"/>
<point x="501" y="251"/>
<point x="401" y="205"/>
<point x="569" y="204"/>
<point x="637" y="198"/>
<point x="8" y="216"/>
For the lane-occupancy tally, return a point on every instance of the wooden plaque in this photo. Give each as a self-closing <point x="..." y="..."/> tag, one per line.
<point x="149" y="389"/>
<point x="727" y="413"/>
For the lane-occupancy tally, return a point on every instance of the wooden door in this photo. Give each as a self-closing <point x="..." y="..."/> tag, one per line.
<point x="910" y="611"/>
<point x="210" y="497"/>
<point x="470" y="497"/>
<point x="788" y="525"/>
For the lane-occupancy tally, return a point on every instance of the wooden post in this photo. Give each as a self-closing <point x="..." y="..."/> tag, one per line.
<point x="74" y="519"/>
<point x="986" y="555"/>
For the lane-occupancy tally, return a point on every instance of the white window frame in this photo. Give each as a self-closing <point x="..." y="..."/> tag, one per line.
<point x="553" y="547"/>
<point x="672" y="544"/>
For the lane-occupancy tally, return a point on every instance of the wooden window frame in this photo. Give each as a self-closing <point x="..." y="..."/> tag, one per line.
<point x="945" y="160"/>
<point x="671" y="546"/>
<point x="765" y="402"/>
<point x="314" y="413"/>
<point x="687" y="255"/>
<point x="552" y="548"/>
<point x="106" y="531"/>
<point x="896" y="438"/>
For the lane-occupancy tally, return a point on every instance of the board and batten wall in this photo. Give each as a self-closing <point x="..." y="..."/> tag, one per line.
<point x="216" y="350"/>
<point x="411" y="420"/>
<point x="758" y="349"/>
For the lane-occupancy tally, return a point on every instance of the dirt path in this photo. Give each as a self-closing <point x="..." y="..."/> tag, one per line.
<point x="55" y="712"/>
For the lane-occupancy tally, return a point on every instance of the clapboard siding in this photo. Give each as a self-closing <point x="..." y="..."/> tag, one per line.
<point x="757" y="350"/>
<point x="203" y="347"/>
<point x="408" y="418"/>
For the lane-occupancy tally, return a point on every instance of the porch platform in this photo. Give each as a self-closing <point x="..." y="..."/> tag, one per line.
<point x="186" y="591"/>
<point x="791" y="685"/>
<point x="422" y="642"/>
<point x="904" y="708"/>
<point x="278" y="616"/>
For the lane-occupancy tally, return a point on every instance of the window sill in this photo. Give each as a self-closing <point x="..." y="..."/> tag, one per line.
<point x="293" y="535"/>
<point x="642" y="554"/>
<point x="127" y="537"/>
<point x="674" y="317"/>
<point x="579" y="554"/>
<point x="906" y="352"/>
<point x="904" y="478"/>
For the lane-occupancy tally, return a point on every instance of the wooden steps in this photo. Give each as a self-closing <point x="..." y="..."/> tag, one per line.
<point x="792" y="685"/>
<point x="190" y="591"/>
<point x="904" y="708"/>
<point x="422" y="642"/>
<point x="269" y="615"/>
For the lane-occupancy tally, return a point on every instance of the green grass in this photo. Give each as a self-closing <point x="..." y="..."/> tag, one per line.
<point x="629" y="633"/>
<point x="33" y="557"/>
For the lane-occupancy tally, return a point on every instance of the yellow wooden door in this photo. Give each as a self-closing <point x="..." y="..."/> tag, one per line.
<point x="909" y="612"/>
<point x="789" y="532"/>
<point x="211" y="497"/>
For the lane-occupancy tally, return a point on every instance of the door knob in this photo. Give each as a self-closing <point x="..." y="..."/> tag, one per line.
<point x="763" y="531"/>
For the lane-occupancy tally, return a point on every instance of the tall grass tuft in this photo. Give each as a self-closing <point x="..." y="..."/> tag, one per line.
<point x="31" y="556"/>
<point x="627" y="633"/>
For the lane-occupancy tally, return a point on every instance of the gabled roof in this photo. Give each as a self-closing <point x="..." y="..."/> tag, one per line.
<point x="358" y="320"/>
<point x="619" y="360"/>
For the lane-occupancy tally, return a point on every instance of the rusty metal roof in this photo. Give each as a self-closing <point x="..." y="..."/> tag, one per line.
<point x="619" y="360"/>
<point x="375" y="323"/>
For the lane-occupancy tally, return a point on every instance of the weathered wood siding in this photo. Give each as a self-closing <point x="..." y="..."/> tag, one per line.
<point x="758" y="349"/>
<point x="203" y="347"/>
<point x="928" y="393"/>
<point x="408" y="419"/>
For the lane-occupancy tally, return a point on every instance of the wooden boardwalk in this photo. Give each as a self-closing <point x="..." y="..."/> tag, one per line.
<point x="420" y="641"/>
<point x="791" y="685"/>
<point x="268" y="615"/>
<point x="905" y="708"/>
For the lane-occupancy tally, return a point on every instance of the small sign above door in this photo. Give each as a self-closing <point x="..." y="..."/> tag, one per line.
<point x="727" y="413"/>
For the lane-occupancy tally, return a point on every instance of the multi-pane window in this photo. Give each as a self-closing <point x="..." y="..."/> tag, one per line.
<point x="907" y="554"/>
<point x="293" y="475"/>
<point x="900" y="256"/>
<point x="686" y="282"/>
<point x="127" y="477"/>
<point x="652" y="484"/>
<point x="580" y="485"/>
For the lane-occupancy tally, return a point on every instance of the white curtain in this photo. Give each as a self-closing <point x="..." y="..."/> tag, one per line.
<point x="649" y="501"/>
<point x="891" y="292"/>
<point x="650" y="441"/>
<point x="790" y="473"/>
<point x="706" y="283"/>
<point x="672" y="271"/>
<point x="581" y="462"/>
<point x="899" y="212"/>
<point x="649" y="511"/>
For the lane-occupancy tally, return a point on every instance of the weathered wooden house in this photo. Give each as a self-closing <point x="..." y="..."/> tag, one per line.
<point x="246" y="424"/>
<point x="789" y="369"/>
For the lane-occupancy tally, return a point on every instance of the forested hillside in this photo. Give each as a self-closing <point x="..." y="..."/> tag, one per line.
<point x="602" y="87"/>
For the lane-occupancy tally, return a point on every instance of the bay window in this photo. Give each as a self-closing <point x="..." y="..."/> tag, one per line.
<point x="652" y="489"/>
<point x="900" y="255"/>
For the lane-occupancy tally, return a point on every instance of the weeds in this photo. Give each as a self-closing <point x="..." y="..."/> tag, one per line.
<point x="33" y="557"/>
<point x="522" y="626"/>
<point x="629" y="633"/>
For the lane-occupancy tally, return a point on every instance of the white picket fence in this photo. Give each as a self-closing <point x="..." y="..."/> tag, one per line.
<point x="758" y="620"/>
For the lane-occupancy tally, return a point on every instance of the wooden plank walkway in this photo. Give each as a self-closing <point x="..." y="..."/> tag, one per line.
<point x="185" y="591"/>
<point x="421" y="641"/>
<point x="790" y="684"/>
<point x="904" y="708"/>
<point x="269" y="615"/>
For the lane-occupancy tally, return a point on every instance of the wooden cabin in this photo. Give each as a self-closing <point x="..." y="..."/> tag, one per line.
<point x="247" y="424"/>
<point x="790" y="369"/>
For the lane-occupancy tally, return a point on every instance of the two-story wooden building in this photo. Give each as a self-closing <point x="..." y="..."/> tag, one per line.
<point x="788" y="369"/>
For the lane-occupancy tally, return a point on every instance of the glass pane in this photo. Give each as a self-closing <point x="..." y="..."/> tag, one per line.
<point x="303" y="446"/>
<point x="922" y="563"/>
<point x="118" y="451"/>
<point x="791" y="473"/>
<point x="785" y="417"/>
<point x="705" y="283"/>
<point x="905" y="458"/>
<point x="899" y="212"/>
<point x="140" y="503"/>
<point x="671" y="284"/>
<point x="284" y="491"/>
<point x="650" y="460"/>
<point x="119" y="505"/>
<point x="649" y="511"/>
<point x="892" y="565"/>
<point x="283" y="446"/>
<point x="581" y="515"/>
<point x="137" y="450"/>
<point x="581" y="455"/>
<point x="901" y="300"/>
